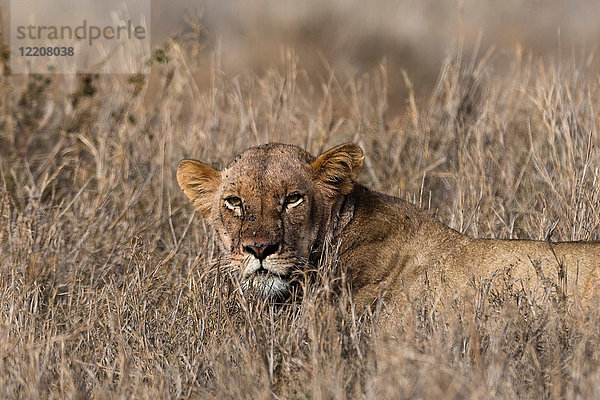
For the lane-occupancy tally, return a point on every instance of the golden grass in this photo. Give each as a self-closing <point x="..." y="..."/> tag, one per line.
<point x="108" y="286"/>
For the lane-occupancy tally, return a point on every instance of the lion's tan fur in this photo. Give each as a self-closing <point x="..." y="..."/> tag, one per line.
<point x="386" y="246"/>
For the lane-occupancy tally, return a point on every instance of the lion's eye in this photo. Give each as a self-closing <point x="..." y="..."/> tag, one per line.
<point x="233" y="202"/>
<point x="293" y="200"/>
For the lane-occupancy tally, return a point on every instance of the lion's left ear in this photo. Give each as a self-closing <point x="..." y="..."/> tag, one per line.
<point x="199" y="182"/>
<point x="339" y="167"/>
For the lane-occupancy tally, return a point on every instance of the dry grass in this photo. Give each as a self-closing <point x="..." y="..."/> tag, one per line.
<point x="107" y="284"/>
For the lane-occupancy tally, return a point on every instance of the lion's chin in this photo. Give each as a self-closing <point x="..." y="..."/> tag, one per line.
<point x="267" y="285"/>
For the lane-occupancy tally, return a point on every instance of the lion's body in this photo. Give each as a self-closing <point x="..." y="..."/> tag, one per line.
<point x="393" y="247"/>
<point x="275" y="205"/>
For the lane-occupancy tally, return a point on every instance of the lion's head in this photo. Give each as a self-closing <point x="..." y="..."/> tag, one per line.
<point x="272" y="207"/>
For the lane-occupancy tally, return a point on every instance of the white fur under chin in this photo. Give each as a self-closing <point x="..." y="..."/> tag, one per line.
<point x="268" y="285"/>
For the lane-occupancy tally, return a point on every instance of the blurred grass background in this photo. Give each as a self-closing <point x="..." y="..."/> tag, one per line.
<point x="478" y="112"/>
<point x="353" y="37"/>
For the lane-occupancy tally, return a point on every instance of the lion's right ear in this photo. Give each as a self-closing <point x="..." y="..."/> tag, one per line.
<point x="339" y="167"/>
<point x="199" y="183"/>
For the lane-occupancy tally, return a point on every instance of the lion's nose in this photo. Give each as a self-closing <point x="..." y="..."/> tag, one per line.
<point x="262" y="251"/>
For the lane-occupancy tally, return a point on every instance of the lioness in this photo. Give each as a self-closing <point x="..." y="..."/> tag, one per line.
<point x="274" y="207"/>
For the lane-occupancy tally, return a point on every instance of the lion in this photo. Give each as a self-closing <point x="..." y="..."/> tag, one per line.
<point x="275" y="207"/>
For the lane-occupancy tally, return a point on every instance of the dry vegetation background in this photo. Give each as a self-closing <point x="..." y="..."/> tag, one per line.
<point x="108" y="287"/>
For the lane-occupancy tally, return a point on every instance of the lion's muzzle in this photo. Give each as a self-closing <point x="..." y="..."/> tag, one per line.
<point x="262" y="250"/>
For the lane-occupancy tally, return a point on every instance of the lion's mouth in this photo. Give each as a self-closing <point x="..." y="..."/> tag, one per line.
<point x="267" y="283"/>
<point x="271" y="278"/>
<point x="262" y="271"/>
